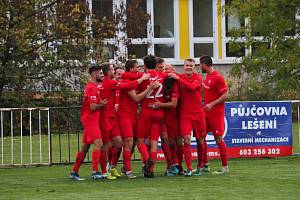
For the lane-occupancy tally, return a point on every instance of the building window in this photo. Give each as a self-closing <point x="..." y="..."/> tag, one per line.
<point x="203" y="18"/>
<point x="203" y="39"/>
<point x="137" y="51"/>
<point x="163" y="18"/>
<point x="164" y="50"/>
<point x="102" y="8"/>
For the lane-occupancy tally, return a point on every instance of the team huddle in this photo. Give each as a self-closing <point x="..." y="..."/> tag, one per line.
<point x="126" y="108"/>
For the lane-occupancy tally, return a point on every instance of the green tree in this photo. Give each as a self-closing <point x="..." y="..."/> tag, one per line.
<point x="269" y="29"/>
<point x="46" y="45"/>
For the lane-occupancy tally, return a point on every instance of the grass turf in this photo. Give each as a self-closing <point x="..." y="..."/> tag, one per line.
<point x="276" y="178"/>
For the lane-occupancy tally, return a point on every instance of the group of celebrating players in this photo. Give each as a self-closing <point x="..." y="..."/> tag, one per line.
<point x="124" y="108"/>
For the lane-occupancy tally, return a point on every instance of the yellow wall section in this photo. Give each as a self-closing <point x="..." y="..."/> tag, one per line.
<point x="219" y="30"/>
<point x="184" y="37"/>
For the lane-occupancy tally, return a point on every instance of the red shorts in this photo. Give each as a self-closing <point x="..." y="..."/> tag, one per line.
<point x="91" y="133"/>
<point x="109" y="128"/>
<point x="195" y="122"/>
<point x="171" y="126"/>
<point x="149" y="124"/>
<point x="128" y="123"/>
<point x="215" y="124"/>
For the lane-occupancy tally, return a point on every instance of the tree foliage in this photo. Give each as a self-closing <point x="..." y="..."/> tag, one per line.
<point x="269" y="29"/>
<point x="46" y="45"/>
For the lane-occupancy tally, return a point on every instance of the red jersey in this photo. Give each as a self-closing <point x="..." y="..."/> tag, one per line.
<point x="157" y="93"/>
<point x="108" y="91"/>
<point x="91" y="95"/>
<point x="127" y="104"/>
<point x="174" y="93"/>
<point x="190" y="93"/>
<point x="214" y="86"/>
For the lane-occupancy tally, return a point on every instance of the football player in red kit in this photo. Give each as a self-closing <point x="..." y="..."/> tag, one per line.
<point x="110" y="131"/>
<point x="151" y="117"/>
<point x="215" y="94"/>
<point x="191" y="112"/>
<point x="90" y="112"/>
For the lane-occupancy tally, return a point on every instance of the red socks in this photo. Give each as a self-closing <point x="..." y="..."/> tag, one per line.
<point x="79" y="160"/>
<point x="174" y="159"/>
<point x="200" y="152"/>
<point x="115" y="156"/>
<point x="205" y="158"/>
<point x="143" y="151"/>
<point x="180" y="154"/>
<point x="126" y="160"/>
<point x="95" y="160"/>
<point x="103" y="161"/>
<point x="223" y="152"/>
<point x="167" y="152"/>
<point x="153" y="155"/>
<point x="188" y="156"/>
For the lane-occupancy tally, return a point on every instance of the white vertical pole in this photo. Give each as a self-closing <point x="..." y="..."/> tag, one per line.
<point x="12" y="137"/>
<point x="40" y="135"/>
<point x="30" y="136"/>
<point x="21" y="125"/>
<point x="2" y="159"/>
<point x="49" y="138"/>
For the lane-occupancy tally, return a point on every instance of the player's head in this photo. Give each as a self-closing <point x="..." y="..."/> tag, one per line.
<point x="118" y="73"/>
<point x="205" y="63"/>
<point x="150" y="62"/>
<point x="160" y="64"/>
<point x="96" y="73"/>
<point x="169" y="68"/>
<point x="131" y="66"/>
<point x="108" y="70"/>
<point x="189" y="66"/>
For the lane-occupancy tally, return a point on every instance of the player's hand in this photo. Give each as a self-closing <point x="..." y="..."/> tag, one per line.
<point x="116" y="107"/>
<point x="157" y="103"/>
<point x="173" y="75"/>
<point x="103" y="103"/>
<point x="153" y="85"/>
<point x="208" y="107"/>
<point x="145" y="77"/>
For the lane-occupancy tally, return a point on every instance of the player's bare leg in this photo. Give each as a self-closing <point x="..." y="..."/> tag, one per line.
<point x="223" y="153"/>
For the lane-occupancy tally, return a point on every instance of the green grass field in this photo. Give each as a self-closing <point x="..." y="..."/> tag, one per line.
<point x="62" y="155"/>
<point x="276" y="178"/>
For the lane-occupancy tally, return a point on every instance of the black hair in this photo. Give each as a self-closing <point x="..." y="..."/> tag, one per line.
<point x="94" y="68"/>
<point x="150" y="61"/>
<point x="159" y="60"/>
<point x="119" y="68"/>
<point x="206" y="60"/>
<point x="130" y="64"/>
<point x="106" y="68"/>
<point x="168" y="85"/>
